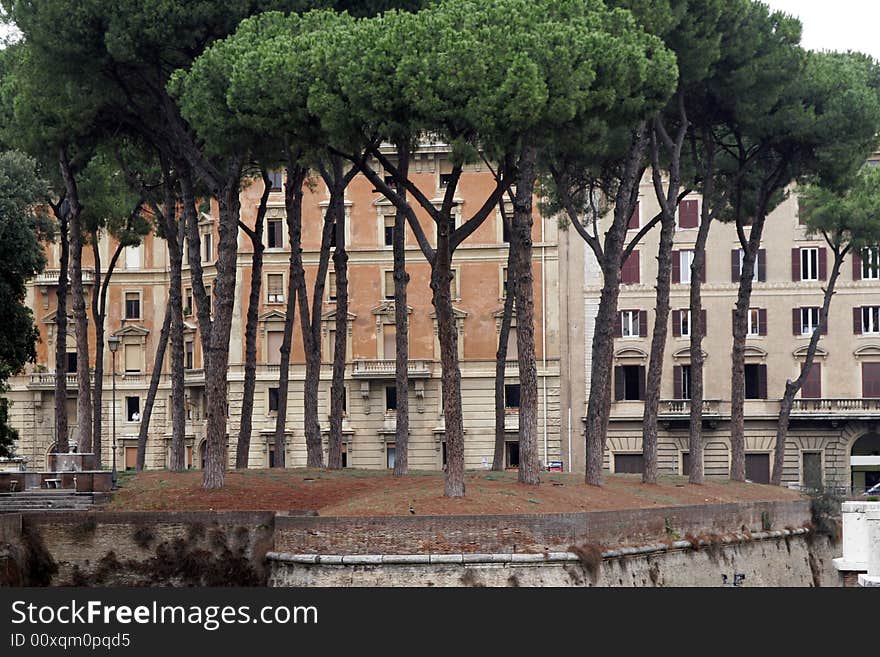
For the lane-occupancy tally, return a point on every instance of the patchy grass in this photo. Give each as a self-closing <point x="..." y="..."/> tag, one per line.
<point x="372" y="492"/>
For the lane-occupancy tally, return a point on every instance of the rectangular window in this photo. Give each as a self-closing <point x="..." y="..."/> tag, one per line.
<point x="629" y="383"/>
<point x="209" y="301"/>
<point x="511" y="454"/>
<point x="71" y="362"/>
<point x="809" y="320"/>
<point x="389" y="340"/>
<point x="685" y="323"/>
<point x="132" y="257"/>
<point x="132" y="305"/>
<point x="133" y="357"/>
<point x="685" y="381"/>
<point x="629" y="324"/>
<point x="331" y="286"/>
<point x="511" y="396"/>
<point x="208" y="247"/>
<point x="276" y="179"/>
<point x="453" y="285"/>
<point x="630" y="273"/>
<point x="445" y="179"/>
<point x="756" y="381"/>
<point x="389" y="231"/>
<point x="188" y="302"/>
<point x="755" y="274"/>
<point x="390" y="398"/>
<point x="389" y="284"/>
<point x="810" y="264"/>
<point x="754" y="328"/>
<point x="275" y="288"/>
<point x="811" y="466"/>
<point x="629" y="463"/>
<point x="871" y="263"/>
<point x="512" y="353"/>
<point x="686" y="259"/>
<point x="390" y="455"/>
<point x="635" y="219"/>
<point x="504" y="282"/>
<point x="189" y="359"/>
<point x="273" y="400"/>
<point x="275" y="235"/>
<point x="871" y="380"/>
<point x="871" y="319"/>
<point x="689" y="214"/>
<point x="812" y="388"/>
<point x="274" y="340"/>
<point x="133" y="409"/>
<point x="758" y="468"/>
<point x="685" y="464"/>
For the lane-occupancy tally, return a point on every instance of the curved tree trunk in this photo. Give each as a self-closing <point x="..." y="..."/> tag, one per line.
<point x="80" y="316"/>
<point x="501" y="354"/>
<point x="243" y="446"/>
<point x="155" y="378"/>
<point x="62" y="444"/>
<point x="401" y="325"/>
<point x="793" y="387"/>
<point x="340" y="265"/>
<point x="293" y="196"/>
<point x="529" y="471"/>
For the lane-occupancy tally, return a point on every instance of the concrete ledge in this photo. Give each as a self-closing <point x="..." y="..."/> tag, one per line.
<point x="867" y="580"/>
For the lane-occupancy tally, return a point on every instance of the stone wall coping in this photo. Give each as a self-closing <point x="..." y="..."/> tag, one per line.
<point x="519" y="557"/>
<point x="859" y="507"/>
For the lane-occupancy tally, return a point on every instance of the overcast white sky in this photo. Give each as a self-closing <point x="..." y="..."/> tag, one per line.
<point x="836" y="24"/>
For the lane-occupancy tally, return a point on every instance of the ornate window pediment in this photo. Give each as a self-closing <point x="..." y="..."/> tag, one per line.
<point x="753" y="353"/>
<point x="384" y="312"/>
<point x="801" y="353"/>
<point x="685" y="354"/>
<point x="867" y="351"/>
<point x="132" y="331"/>
<point x="631" y="353"/>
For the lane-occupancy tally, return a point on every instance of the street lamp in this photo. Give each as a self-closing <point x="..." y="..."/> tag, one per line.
<point x="113" y="344"/>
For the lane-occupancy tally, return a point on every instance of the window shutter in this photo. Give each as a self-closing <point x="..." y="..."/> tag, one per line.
<point x="795" y="264"/>
<point x="823" y="264"/>
<point x="618" y="384"/>
<point x="762" y="265"/>
<point x="871" y="380"/>
<point x="734" y="265"/>
<point x="703" y="322"/>
<point x="812" y="388"/>
<point x="641" y="382"/>
<point x="618" y="326"/>
<point x="676" y="267"/>
<point x="857" y="321"/>
<point x="634" y="218"/>
<point x="676" y="382"/>
<point x="796" y="321"/>
<point x="688" y="214"/>
<point x="857" y="266"/>
<point x="762" y="381"/>
<point x="762" y="321"/>
<point x="643" y="323"/>
<point x="629" y="274"/>
<point x="676" y="323"/>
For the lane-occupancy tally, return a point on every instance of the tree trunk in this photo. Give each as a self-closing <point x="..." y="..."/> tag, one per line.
<point x="80" y="316"/>
<point x="793" y="387"/>
<point x="243" y="446"/>
<point x="61" y="429"/>
<point x="224" y="296"/>
<point x="340" y="265"/>
<point x="599" y="403"/>
<point x="501" y="354"/>
<point x="401" y="326"/>
<point x="155" y="377"/>
<point x="698" y="329"/>
<point x="738" y="354"/>
<point x="293" y="196"/>
<point x="529" y="471"/>
<point x="658" y="349"/>
<point x="174" y="231"/>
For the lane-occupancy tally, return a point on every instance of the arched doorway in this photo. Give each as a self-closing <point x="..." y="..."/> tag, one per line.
<point x="865" y="462"/>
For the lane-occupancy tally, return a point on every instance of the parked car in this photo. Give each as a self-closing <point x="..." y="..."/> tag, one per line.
<point x="873" y="490"/>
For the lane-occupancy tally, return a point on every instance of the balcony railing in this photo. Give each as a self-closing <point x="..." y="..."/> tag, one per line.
<point x="385" y="369"/>
<point x="845" y="407"/>
<point x="682" y="407"/>
<point x="46" y="380"/>
<point x="50" y="277"/>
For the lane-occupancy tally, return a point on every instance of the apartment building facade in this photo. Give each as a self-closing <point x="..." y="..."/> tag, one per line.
<point x="138" y="294"/>
<point x="834" y="437"/>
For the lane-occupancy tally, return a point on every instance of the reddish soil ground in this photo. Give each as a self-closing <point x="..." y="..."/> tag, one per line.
<point x="368" y="493"/>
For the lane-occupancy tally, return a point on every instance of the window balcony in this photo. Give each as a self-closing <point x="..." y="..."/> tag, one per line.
<point x="385" y="369"/>
<point x="836" y="409"/>
<point x="50" y="277"/>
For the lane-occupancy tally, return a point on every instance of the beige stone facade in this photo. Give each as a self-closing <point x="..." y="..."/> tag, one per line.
<point x="138" y="294"/>
<point x="833" y="439"/>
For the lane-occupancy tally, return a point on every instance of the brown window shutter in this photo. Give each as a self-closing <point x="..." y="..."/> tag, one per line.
<point x="629" y="274"/>
<point x="762" y="265"/>
<point x="618" y="326"/>
<point x="857" y="320"/>
<point x="734" y="265"/>
<point x="676" y="382"/>
<point x="641" y="382"/>
<point x="812" y="388"/>
<point x="871" y="380"/>
<point x="634" y="218"/>
<point x="688" y="214"/>
<point x="857" y="265"/>
<point x="796" y="321"/>
<point x="703" y="322"/>
<point x="643" y="323"/>
<point x="762" y="321"/>
<point x="795" y="264"/>
<point x="618" y="384"/>
<point x="676" y="323"/>
<point x="676" y="267"/>
<point x="762" y="381"/>
<point x="823" y="264"/>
